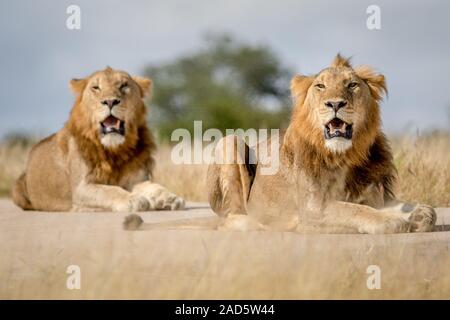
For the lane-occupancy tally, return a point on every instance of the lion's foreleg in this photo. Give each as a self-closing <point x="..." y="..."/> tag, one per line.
<point x="363" y="219"/>
<point x="107" y="197"/>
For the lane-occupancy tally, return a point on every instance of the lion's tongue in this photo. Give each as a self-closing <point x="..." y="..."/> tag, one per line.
<point x="112" y="122"/>
<point x="337" y="126"/>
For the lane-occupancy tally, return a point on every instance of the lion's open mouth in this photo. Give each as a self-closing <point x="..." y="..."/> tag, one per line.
<point x="112" y="125"/>
<point x="338" y="128"/>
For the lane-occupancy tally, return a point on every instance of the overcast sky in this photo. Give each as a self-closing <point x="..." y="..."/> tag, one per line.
<point x="39" y="55"/>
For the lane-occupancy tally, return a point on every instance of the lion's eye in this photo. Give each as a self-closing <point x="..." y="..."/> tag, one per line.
<point x="96" y="88"/>
<point x="320" y="86"/>
<point x="123" y="86"/>
<point x="352" y="85"/>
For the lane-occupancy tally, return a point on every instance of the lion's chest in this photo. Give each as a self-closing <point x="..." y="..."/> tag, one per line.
<point x="332" y="184"/>
<point x="287" y="194"/>
<point x="315" y="192"/>
<point x="125" y="177"/>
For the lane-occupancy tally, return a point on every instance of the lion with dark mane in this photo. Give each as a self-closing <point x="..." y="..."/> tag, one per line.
<point x="335" y="174"/>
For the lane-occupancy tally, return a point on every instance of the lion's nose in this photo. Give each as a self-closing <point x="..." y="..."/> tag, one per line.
<point x="111" y="102"/>
<point x="336" y="105"/>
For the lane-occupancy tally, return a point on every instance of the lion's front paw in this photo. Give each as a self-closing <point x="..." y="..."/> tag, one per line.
<point x="159" y="197"/>
<point x="390" y="225"/>
<point x="166" y="200"/>
<point x="133" y="204"/>
<point x="422" y="218"/>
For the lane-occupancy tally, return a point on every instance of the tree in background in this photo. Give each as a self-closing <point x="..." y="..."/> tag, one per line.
<point x="226" y="84"/>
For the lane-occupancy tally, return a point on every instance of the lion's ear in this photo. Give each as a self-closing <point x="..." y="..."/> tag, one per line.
<point x="145" y="85"/>
<point x="77" y="85"/>
<point x="300" y="85"/>
<point x="375" y="81"/>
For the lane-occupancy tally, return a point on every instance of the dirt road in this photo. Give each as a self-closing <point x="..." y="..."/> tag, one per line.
<point x="38" y="248"/>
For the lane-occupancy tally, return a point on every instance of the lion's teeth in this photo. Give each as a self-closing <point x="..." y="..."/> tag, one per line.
<point x="337" y="126"/>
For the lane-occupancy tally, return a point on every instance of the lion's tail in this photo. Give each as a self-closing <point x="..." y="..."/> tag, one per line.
<point x="20" y="193"/>
<point x="135" y="222"/>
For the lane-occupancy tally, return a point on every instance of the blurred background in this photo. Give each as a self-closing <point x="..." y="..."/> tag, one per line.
<point x="227" y="63"/>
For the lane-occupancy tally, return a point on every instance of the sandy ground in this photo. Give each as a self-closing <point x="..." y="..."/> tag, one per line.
<point x="36" y="248"/>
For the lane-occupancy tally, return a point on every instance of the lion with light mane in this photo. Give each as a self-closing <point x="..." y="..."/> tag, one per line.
<point x="102" y="159"/>
<point x="336" y="172"/>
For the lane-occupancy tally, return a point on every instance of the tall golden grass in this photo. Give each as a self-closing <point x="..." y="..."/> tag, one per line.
<point x="423" y="165"/>
<point x="13" y="159"/>
<point x="422" y="162"/>
<point x="192" y="265"/>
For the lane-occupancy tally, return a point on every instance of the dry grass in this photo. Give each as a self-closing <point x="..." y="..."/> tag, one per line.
<point x="423" y="164"/>
<point x="185" y="180"/>
<point x="13" y="159"/>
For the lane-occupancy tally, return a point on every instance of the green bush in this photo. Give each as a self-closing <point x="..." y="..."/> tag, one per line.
<point x="226" y="84"/>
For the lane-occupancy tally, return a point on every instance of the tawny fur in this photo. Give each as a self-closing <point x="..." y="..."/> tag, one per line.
<point x="319" y="187"/>
<point x="74" y="170"/>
